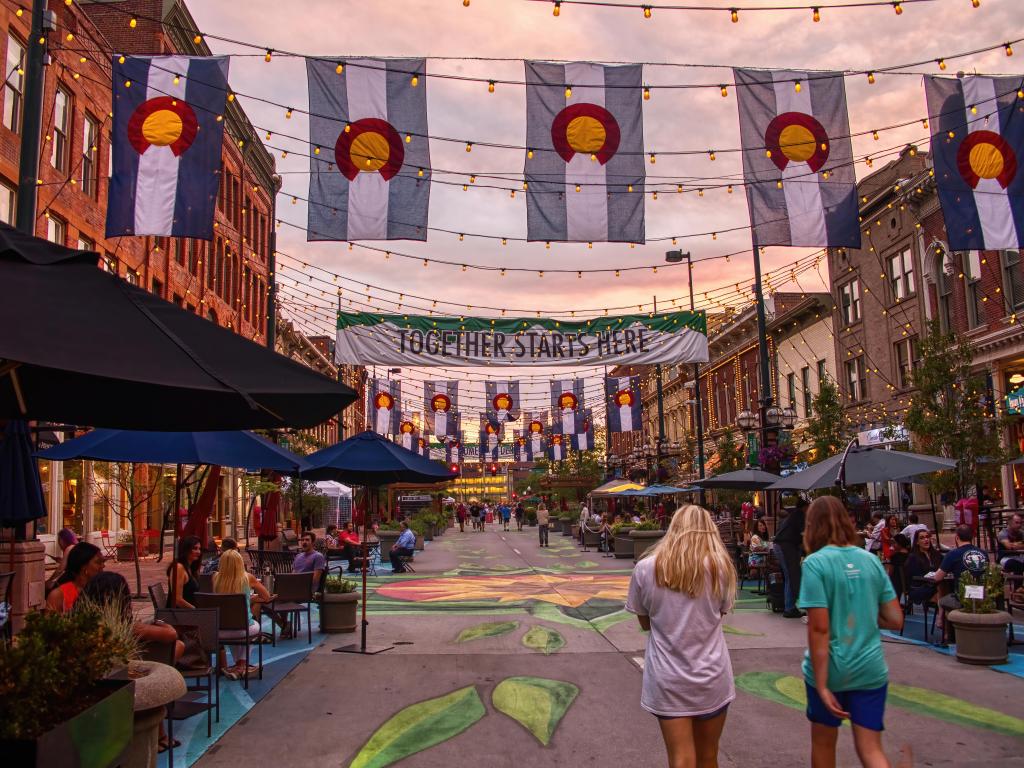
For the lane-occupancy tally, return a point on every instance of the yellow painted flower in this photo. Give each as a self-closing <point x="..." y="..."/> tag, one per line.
<point x="570" y="590"/>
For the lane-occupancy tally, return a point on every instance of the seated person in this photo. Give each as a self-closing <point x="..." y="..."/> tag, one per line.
<point x="956" y="562"/>
<point x="83" y="563"/>
<point x="331" y="537"/>
<point x="1010" y="543"/>
<point x="897" y="561"/>
<point x="350" y="545"/>
<point x="232" y="579"/>
<point x="923" y="559"/>
<point x="111" y="588"/>
<point x="309" y="560"/>
<point x="211" y="565"/>
<point x="402" y="548"/>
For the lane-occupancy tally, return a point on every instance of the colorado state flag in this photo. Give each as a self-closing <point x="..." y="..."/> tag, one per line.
<point x="166" y="145"/>
<point x="624" y="405"/>
<point x="978" y="136"/>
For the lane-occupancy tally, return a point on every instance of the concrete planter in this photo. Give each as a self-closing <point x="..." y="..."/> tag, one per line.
<point x="387" y="541"/>
<point x="643" y="540"/>
<point x="567" y="528"/>
<point x="156" y="685"/>
<point x="125" y="552"/>
<point x="591" y="539"/>
<point x="338" y="611"/>
<point x="555" y="526"/>
<point x="980" y="637"/>
<point x="623" y="544"/>
<point x="419" y="543"/>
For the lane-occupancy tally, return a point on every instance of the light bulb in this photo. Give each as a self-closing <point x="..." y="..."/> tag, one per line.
<point x="871" y="78"/>
<point x="652" y="158"/>
<point x="529" y="154"/>
<point x="490" y="86"/>
<point x="898" y="7"/>
<point x="975" y="3"/>
<point x="340" y="68"/>
<point x="816" y="15"/>
<point x="725" y="90"/>
<point x="472" y="179"/>
<point x="465" y="3"/>
<point x="288" y="114"/>
<point x="268" y="55"/>
<point x="419" y="173"/>
<point x="568" y="91"/>
<point x="133" y="23"/>
<point x="629" y="188"/>
<point x="178" y="80"/>
<point x="711" y="154"/>
<point x="469" y="146"/>
<point x="941" y="63"/>
<point x="414" y="81"/>
<point x="408" y="138"/>
<point x="647" y="11"/>
<point x="679" y="188"/>
<point x="700" y="193"/>
<point x="1008" y="49"/>
<point x="558" y="9"/>
<point x="874" y="135"/>
<point x="734" y="15"/>
<point x="647" y="93"/>
<point x="577" y="187"/>
<point x="197" y="39"/>
<point x="796" y="86"/>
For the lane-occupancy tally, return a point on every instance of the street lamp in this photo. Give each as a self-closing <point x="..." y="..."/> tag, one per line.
<point x="773" y="416"/>
<point x="788" y="417"/>
<point x="746" y="420"/>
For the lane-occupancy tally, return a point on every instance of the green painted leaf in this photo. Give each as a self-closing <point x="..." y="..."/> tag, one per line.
<point x="730" y="630"/>
<point x="420" y="726"/>
<point x="952" y="710"/>
<point x="488" y="629"/>
<point x="542" y="639"/>
<point x="536" y="703"/>
<point x="764" y="684"/>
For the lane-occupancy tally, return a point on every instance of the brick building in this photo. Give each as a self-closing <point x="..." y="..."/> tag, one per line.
<point x="904" y="276"/>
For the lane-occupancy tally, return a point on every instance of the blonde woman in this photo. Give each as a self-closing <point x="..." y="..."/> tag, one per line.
<point x="232" y="579"/>
<point x="680" y="591"/>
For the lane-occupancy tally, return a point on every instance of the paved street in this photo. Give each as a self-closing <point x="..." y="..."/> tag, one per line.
<point x="486" y="607"/>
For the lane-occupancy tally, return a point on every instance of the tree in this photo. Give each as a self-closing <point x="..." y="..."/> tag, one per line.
<point x="732" y="454"/>
<point x="305" y="495"/>
<point x="826" y="428"/>
<point x="949" y="414"/>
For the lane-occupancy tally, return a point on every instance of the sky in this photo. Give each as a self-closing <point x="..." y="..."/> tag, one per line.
<point x="674" y="119"/>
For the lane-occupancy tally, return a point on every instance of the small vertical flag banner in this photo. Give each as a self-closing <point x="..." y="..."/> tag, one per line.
<point x="622" y="394"/>
<point x="566" y="404"/>
<point x="583" y="437"/>
<point x="385" y="396"/>
<point x="585" y="152"/>
<point x="536" y="426"/>
<point x="797" y="158"/>
<point x="977" y="140"/>
<point x="453" y="448"/>
<point x="502" y="400"/>
<point x="166" y="145"/>
<point x="490" y="438"/>
<point x="519" y="447"/>
<point x="407" y="430"/>
<point x="441" y="402"/>
<point x="557" y="448"/>
<point x="372" y="181"/>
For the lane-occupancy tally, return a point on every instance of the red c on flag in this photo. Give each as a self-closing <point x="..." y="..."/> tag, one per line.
<point x="536" y="427"/>
<point x="407" y="427"/>
<point x="986" y="155"/>
<point x="163" y="122"/>
<point x="370" y="145"/>
<point x="585" y="128"/>
<point x="384" y="400"/>
<point x="799" y="137"/>
<point x="624" y="397"/>
<point x="502" y="402"/>
<point x="567" y="401"/>
<point x="441" y="403"/>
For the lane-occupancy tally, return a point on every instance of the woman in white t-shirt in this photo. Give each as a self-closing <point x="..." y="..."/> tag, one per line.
<point x="680" y="592"/>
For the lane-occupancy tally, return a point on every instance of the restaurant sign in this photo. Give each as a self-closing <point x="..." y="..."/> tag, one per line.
<point x="1015" y="402"/>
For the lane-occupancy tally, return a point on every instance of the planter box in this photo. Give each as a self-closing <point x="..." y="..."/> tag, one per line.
<point x="980" y="637"/>
<point x="94" y="738"/>
<point x="643" y="540"/>
<point x="591" y="539"/>
<point x="555" y="526"/>
<point x="429" y="535"/>
<point x="387" y="541"/>
<point x="125" y="552"/>
<point x="623" y="544"/>
<point x="338" y="611"/>
<point x="576" y="530"/>
<point x="567" y="527"/>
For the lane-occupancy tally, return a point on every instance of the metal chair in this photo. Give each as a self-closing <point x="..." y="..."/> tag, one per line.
<point x="6" y="585"/>
<point x="182" y="708"/>
<point x="294" y="594"/>
<point x="234" y="617"/>
<point x="206" y="582"/>
<point x="207" y="621"/>
<point x="158" y="595"/>
<point x="109" y="547"/>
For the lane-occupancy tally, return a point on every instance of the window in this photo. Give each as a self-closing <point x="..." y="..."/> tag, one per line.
<point x="131" y="276"/>
<point x="906" y="357"/>
<point x="109" y="263"/>
<point x="972" y="278"/>
<point x="195" y="256"/>
<point x="1013" y="280"/>
<point x="8" y="199"/>
<point x="791" y="388"/>
<point x="15" y="84"/>
<point x="856" y="379"/>
<point x="90" y="154"/>
<point x="56" y="230"/>
<point x="901" y="274"/>
<point x="947" y="274"/>
<point x="157" y="288"/>
<point x="61" y="129"/>
<point x="822" y="373"/>
<point x="805" y="382"/>
<point x="849" y="302"/>
<point x="179" y="251"/>
<point x="85" y="244"/>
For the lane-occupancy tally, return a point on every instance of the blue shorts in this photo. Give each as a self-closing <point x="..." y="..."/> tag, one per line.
<point x="866" y="708"/>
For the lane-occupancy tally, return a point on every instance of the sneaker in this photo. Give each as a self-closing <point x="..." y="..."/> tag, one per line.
<point x="794" y="613"/>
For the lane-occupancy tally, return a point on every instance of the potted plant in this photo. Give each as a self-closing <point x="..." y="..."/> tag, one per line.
<point x="622" y="542"/>
<point x="644" y="535"/>
<point x="531" y="516"/>
<point x="338" y="605"/>
<point x="125" y="547"/>
<point x="419" y="526"/>
<point x="980" y="625"/>
<point x="388" y="533"/>
<point x="57" y="706"/>
<point x="554" y="523"/>
<point x="567" y="524"/>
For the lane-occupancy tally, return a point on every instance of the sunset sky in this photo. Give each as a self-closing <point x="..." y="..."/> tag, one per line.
<point x="676" y="119"/>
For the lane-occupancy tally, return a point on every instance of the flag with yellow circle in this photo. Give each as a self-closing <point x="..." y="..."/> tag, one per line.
<point x="166" y="145"/>
<point x="585" y="152"/>
<point x="369" y="157"/>
<point x="797" y="158"/>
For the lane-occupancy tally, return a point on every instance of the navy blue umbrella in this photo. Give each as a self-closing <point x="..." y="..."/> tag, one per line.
<point x="21" y="492"/>
<point x="372" y="460"/>
<point x="238" y="448"/>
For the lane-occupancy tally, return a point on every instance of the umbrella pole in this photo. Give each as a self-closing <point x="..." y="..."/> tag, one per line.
<point x="172" y="599"/>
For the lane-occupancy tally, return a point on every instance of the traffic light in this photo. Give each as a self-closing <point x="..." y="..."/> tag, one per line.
<point x="494" y="469"/>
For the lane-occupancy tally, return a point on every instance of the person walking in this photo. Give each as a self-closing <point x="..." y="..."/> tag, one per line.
<point x="848" y="597"/>
<point x="520" y="513"/>
<point x="506" y="514"/>
<point x="460" y="515"/>
<point x="543" y="520"/>
<point x="680" y="591"/>
<point x="788" y="547"/>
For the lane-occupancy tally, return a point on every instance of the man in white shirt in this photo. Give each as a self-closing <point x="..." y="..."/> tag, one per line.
<point x="913" y="526"/>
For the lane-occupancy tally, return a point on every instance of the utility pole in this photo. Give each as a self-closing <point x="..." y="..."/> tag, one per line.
<point x="696" y="392"/>
<point x="661" y="409"/>
<point x="764" y="385"/>
<point x="607" y="428"/>
<point x="32" y="117"/>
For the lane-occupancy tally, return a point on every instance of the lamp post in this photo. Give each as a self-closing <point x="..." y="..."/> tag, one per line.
<point x="661" y="400"/>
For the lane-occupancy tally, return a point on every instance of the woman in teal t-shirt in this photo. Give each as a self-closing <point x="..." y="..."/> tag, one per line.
<point x="848" y="597"/>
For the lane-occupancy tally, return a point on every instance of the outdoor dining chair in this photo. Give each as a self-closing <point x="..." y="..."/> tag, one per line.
<point x="207" y="621"/>
<point x="109" y="547"/>
<point x="158" y="595"/>
<point x="294" y="595"/>
<point x="234" y="621"/>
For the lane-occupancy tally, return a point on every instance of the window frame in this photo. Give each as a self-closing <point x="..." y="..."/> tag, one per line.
<point x="90" y="155"/>
<point x="901" y="285"/>
<point x="1009" y="291"/>
<point x="14" y="86"/>
<point x="63" y="123"/>
<point x="60" y="226"/>
<point x="856" y="386"/>
<point x="8" y="200"/>
<point x="808" y="395"/>
<point x="972" y="289"/>
<point x="850" y="313"/>
<point x="791" y="388"/>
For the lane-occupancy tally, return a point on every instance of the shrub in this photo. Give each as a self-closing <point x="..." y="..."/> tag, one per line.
<point x="647" y="525"/>
<point x="338" y="585"/>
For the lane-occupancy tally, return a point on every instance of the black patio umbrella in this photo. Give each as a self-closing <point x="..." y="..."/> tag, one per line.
<point x="863" y="464"/>
<point x="82" y="346"/>
<point x="21" y="492"/>
<point x="372" y="460"/>
<point x="740" y="480"/>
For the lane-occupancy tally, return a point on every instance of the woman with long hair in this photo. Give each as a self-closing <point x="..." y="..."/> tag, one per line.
<point x="232" y="579"/>
<point x="923" y="559"/>
<point x="848" y="597"/>
<point x="82" y="563"/>
<point x="681" y="591"/>
<point x="183" y="573"/>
